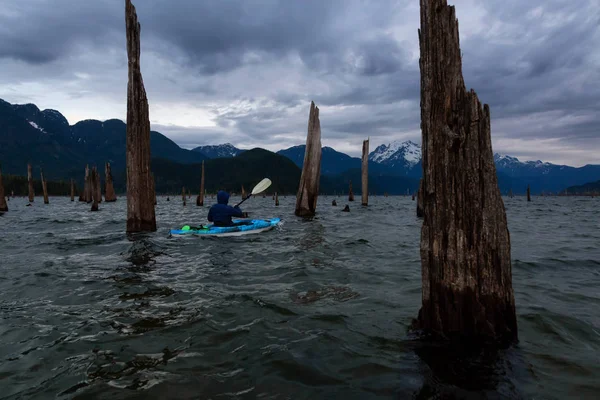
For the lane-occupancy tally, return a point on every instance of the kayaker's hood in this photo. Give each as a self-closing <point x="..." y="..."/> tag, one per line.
<point x="222" y="197"/>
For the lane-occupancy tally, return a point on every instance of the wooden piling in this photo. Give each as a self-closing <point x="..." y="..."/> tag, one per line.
<point x="72" y="190"/>
<point x="44" y="187"/>
<point x="276" y="199"/>
<point x="308" y="190"/>
<point x="30" y="183"/>
<point x="243" y="192"/>
<point x="200" y="198"/>
<point x="528" y="193"/>
<point x="141" y="216"/>
<point x="465" y="245"/>
<point x="109" y="187"/>
<point x="94" y="188"/>
<point x="3" y="205"/>
<point x="87" y="188"/>
<point x="365" y="173"/>
<point x="183" y="196"/>
<point x="350" y="193"/>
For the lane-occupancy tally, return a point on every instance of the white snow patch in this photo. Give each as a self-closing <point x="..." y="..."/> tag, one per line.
<point x="409" y="151"/>
<point x="36" y="126"/>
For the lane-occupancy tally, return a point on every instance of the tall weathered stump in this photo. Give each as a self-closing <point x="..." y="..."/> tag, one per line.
<point x="465" y="244"/>
<point x="72" y="190"/>
<point x="183" y="196"/>
<point x="141" y="216"/>
<point x="87" y="186"/>
<point x="3" y="205"/>
<point x="30" y="184"/>
<point x="44" y="187"/>
<point x="528" y="193"/>
<point x="95" y="188"/>
<point x="109" y="187"/>
<point x="308" y="191"/>
<point x="243" y="192"/>
<point x="276" y="199"/>
<point x="365" y="173"/>
<point x="200" y="198"/>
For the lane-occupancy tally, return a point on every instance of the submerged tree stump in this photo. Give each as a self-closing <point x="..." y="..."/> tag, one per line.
<point x="141" y="216"/>
<point x="87" y="187"/>
<point x="350" y="193"/>
<point x="44" y="187"/>
<point x="30" y="184"/>
<point x="243" y="192"/>
<point x="3" y="205"/>
<point x="183" y="196"/>
<point x="365" y="173"/>
<point x="109" y="189"/>
<point x="276" y="199"/>
<point x="420" y="200"/>
<point x="528" y="193"/>
<point x="200" y="198"/>
<point x="465" y="245"/>
<point x="308" y="191"/>
<point x="72" y="190"/>
<point x="95" y="188"/>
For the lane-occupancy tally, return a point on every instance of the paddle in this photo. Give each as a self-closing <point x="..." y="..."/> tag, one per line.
<point x="259" y="188"/>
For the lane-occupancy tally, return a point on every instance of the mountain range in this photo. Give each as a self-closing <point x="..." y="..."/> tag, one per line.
<point x="46" y="139"/>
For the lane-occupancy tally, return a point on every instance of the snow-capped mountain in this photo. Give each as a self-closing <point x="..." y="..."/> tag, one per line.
<point x="512" y="165"/>
<point x="226" y="150"/>
<point x="401" y="156"/>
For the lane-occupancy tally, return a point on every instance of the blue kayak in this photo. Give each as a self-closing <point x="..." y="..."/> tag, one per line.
<point x="240" y="227"/>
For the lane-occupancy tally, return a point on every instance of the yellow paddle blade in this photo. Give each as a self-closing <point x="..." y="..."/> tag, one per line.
<point x="261" y="186"/>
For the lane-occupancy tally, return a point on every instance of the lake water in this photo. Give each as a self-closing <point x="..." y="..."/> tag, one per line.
<point x="88" y="312"/>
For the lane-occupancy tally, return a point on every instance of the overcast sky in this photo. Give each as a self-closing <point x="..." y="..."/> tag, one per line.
<point x="244" y="71"/>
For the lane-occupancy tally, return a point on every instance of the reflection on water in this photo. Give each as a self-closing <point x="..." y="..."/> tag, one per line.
<point x="318" y="308"/>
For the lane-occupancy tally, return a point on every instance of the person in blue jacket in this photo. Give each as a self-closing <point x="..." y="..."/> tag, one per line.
<point x="220" y="214"/>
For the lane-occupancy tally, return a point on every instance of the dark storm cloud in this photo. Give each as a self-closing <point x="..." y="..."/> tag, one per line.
<point x="253" y="67"/>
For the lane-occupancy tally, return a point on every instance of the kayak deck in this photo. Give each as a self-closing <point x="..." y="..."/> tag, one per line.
<point x="242" y="227"/>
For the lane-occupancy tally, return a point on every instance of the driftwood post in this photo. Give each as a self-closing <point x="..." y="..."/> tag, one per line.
<point x="95" y="188"/>
<point x="243" y="192"/>
<point x="44" y="187"/>
<point x="3" y="205"/>
<point x="528" y="193"/>
<point x="276" y="199"/>
<point x="183" y="195"/>
<point x="465" y="245"/>
<point x="109" y="188"/>
<point x="420" y="197"/>
<point x="30" y="184"/>
<point x="141" y="216"/>
<point x="365" y="173"/>
<point x="350" y="194"/>
<point x="200" y="198"/>
<point x="87" y="188"/>
<point x="72" y="190"/>
<point x="308" y="191"/>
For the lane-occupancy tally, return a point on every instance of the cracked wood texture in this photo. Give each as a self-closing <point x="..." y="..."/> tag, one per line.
<point x="465" y="244"/>
<point x="141" y="216"/>
<point x="420" y="200"/>
<point x="3" y="205"/>
<point x="365" y="173"/>
<point x="109" y="187"/>
<point x="30" y="184"/>
<point x="200" y="198"/>
<point x="308" y="191"/>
